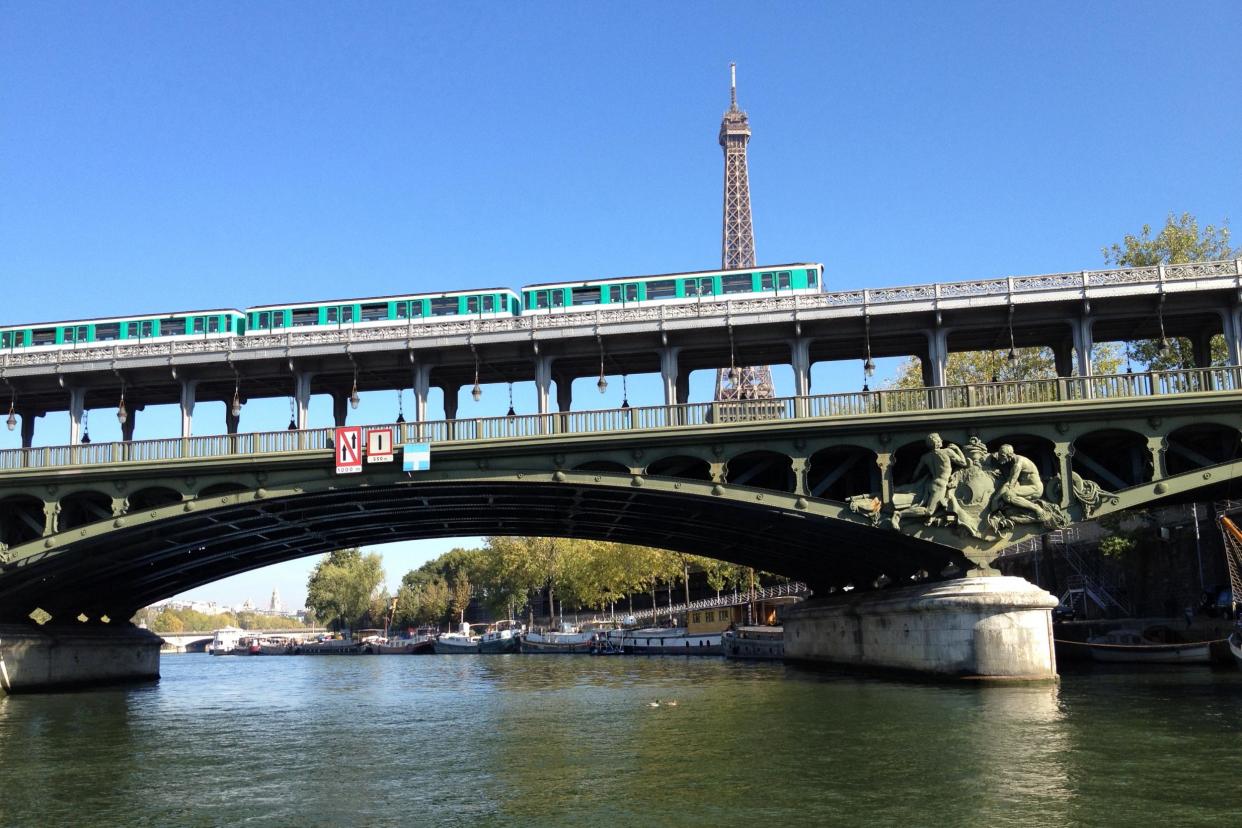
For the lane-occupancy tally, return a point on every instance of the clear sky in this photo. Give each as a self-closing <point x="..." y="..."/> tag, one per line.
<point x="159" y="156"/>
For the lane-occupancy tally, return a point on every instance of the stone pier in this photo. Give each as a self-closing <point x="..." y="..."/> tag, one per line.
<point x="985" y="628"/>
<point x="34" y="659"/>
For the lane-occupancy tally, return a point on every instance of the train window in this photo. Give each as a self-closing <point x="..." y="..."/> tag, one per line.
<point x="699" y="287"/>
<point x="43" y="336"/>
<point x="305" y="317"/>
<point x="539" y="298"/>
<point x="332" y="314"/>
<point x="105" y="333"/>
<point x="347" y="313"/>
<point x="584" y="296"/>
<point x="172" y="327"/>
<point x="623" y="293"/>
<point x="263" y="320"/>
<point x="200" y="324"/>
<point x="278" y="319"/>
<point x="558" y="297"/>
<point x="403" y="310"/>
<point x="213" y="324"/>
<point x="480" y="304"/>
<point x="75" y="333"/>
<point x="737" y="283"/>
<point x="811" y="276"/>
<point x="416" y="308"/>
<point x="784" y="279"/>
<point x="11" y="339"/>
<point x="146" y="327"/>
<point x="444" y="306"/>
<point x="664" y="289"/>
<point x="374" y="312"/>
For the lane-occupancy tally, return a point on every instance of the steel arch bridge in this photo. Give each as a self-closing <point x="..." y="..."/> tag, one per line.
<point x="806" y="487"/>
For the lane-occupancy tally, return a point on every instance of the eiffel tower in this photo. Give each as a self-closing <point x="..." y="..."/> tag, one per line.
<point x="737" y="382"/>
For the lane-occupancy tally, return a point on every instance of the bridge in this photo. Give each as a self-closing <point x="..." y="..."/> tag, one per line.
<point x="883" y="499"/>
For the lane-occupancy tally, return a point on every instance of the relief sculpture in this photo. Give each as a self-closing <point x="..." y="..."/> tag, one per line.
<point x="972" y="491"/>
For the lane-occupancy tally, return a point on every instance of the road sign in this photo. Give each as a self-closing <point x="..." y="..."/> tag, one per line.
<point x="416" y="457"/>
<point x="379" y="446"/>
<point x="348" y="443"/>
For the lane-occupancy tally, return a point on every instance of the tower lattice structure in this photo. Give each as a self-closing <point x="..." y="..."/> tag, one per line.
<point x="738" y="247"/>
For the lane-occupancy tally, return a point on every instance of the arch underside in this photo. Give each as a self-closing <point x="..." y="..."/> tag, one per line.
<point x="119" y="571"/>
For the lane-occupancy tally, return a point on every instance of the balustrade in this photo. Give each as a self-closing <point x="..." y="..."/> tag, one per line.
<point x="850" y="404"/>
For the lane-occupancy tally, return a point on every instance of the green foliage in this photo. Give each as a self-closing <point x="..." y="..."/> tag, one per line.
<point x="342" y="586"/>
<point x="1180" y="241"/>
<point x="422" y="599"/>
<point x="974" y="367"/>
<point x="170" y="620"/>
<point x="1117" y="546"/>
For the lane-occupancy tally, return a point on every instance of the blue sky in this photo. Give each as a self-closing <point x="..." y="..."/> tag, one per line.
<point x="169" y="156"/>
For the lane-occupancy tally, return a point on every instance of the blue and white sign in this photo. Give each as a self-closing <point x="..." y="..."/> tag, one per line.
<point x="416" y="457"/>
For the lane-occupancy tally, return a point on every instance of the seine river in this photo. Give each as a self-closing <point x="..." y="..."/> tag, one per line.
<point x="573" y="740"/>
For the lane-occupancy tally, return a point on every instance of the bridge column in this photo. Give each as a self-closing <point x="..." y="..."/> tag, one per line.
<point x="884" y="461"/>
<point x="231" y="423"/>
<point x="450" y="401"/>
<point x="422" y="384"/>
<point x="1156" y="447"/>
<point x="800" y="361"/>
<point x="188" y="387"/>
<point x="131" y="419"/>
<point x="1083" y="343"/>
<point x="301" y="396"/>
<point x="340" y="409"/>
<point x="994" y="627"/>
<point x="77" y="404"/>
<point x="38" y="659"/>
<point x="28" y="427"/>
<point x="1065" y="454"/>
<point x="669" y="376"/>
<point x="51" y="518"/>
<point x="564" y="393"/>
<point x="1063" y="357"/>
<point x="1201" y="346"/>
<point x="543" y="384"/>
<point x="1231" y="327"/>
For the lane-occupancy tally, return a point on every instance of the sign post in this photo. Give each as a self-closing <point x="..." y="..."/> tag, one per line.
<point x="348" y="444"/>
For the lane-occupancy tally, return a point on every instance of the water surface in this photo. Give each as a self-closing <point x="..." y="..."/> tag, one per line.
<point x="572" y="740"/>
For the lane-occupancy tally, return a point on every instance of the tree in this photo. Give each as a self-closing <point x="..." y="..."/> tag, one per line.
<point x="973" y="367"/>
<point x="342" y="585"/>
<point x="1180" y="241"/>
<point x="422" y="598"/>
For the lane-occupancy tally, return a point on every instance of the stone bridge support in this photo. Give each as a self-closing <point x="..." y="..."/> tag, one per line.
<point x="36" y="659"/>
<point x="981" y="628"/>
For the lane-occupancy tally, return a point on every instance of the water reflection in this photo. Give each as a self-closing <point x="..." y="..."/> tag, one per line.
<point x="508" y="740"/>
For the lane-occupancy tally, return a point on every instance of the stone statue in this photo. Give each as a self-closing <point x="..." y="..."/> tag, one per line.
<point x="1089" y="493"/>
<point x="975" y="492"/>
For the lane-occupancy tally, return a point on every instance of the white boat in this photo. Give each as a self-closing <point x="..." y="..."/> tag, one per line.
<point x="568" y="639"/>
<point x="226" y="641"/>
<point x="1135" y="647"/>
<point x="664" y="641"/>
<point x="1235" y="645"/>
<point x="457" y="643"/>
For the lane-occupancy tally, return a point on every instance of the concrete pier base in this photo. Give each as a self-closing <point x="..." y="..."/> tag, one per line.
<point x="34" y="659"/>
<point x="988" y="627"/>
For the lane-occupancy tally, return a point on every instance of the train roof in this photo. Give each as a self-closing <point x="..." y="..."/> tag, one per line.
<point x="352" y="300"/>
<point x="133" y="317"/>
<point x="616" y="279"/>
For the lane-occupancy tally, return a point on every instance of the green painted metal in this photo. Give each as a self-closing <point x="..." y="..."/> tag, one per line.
<point x="66" y="509"/>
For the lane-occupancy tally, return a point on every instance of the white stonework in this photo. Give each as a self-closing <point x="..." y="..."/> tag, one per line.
<point x="987" y="627"/>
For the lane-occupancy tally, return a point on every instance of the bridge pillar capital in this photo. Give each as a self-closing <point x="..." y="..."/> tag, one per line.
<point x="188" y="387"/>
<point x="1157" y="446"/>
<point x="669" y="374"/>
<point x="77" y="405"/>
<point x="543" y="384"/>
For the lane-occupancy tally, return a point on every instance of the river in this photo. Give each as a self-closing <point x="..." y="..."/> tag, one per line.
<point x="573" y="740"/>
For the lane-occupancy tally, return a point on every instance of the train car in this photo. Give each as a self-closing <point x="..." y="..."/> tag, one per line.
<point x="81" y="333"/>
<point x="641" y="291"/>
<point x="487" y="303"/>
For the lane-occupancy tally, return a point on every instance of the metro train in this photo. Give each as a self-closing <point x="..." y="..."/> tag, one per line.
<point x="422" y="308"/>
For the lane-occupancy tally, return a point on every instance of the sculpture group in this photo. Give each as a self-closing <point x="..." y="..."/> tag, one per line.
<point x="981" y="493"/>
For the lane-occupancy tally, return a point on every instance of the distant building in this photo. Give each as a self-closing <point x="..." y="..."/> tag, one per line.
<point x="275" y="605"/>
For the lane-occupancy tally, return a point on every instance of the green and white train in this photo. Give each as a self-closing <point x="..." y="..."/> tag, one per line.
<point x="423" y="308"/>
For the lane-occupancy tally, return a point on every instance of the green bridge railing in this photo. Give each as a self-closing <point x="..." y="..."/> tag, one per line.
<point x="860" y="403"/>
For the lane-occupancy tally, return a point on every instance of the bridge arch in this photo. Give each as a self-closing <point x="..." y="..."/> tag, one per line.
<point x="1201" y="444"/>
<point x="762" y="469"/>
<point x="1113" y="457"/>
<point x="153" y="497"/>
<point x="681" y="466"/>
<point x="21" y="519"/>
<point x="842" y="471"/>
<point x="83" y="507"/>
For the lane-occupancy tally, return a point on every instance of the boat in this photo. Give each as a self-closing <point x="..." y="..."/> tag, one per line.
<point x="225" y="641"/>
<point x="329" y="646"/>
<point x="1235" y="645"/>
<point x="501" y="637"/>
<point x="1155" y="645"/>
<point x="568" y="639"/>
<point x="277" y="645"/>
<point x="457" y="643"/>
<point x="664" y="641"/>
<point x="754" y="642"/>
<point x="417" y="644"/>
